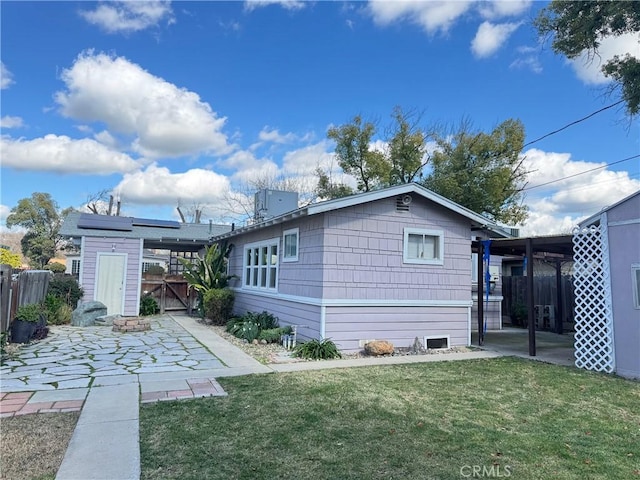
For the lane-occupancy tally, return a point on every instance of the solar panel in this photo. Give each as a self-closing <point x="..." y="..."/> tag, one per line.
<point x="148" y="222"/>
<point x="104" y="222"/>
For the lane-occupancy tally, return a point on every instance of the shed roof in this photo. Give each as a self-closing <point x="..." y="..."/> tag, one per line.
<point x="157" y="234"/>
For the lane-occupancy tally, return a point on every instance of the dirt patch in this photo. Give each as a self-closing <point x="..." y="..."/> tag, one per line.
<point x="33" y="446"/>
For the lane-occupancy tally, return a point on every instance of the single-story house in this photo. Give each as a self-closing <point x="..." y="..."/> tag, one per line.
<point x="607" y="285"/>
<point x="392" y="264"/>
<point x="111" y="257"/>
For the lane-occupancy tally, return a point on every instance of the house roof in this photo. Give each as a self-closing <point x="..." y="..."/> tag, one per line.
<point x="477" y="221"/>
<point x="159" y="234"/>
<point x="595" y="218"/>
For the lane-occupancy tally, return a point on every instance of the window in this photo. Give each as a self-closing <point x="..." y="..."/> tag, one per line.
<point x="423" y="246"/>
<point x="635" y="284"/>
<point x="261" y="265"/>
<point x="147" y="265"/>
<point x="290" y="245"/>
<point x="75" y="267"/>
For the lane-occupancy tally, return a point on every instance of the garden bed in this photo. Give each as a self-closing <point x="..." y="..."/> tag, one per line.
<point x="276" y="353"/>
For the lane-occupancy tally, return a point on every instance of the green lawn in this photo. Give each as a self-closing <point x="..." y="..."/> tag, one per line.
<point x="511" y="417"/>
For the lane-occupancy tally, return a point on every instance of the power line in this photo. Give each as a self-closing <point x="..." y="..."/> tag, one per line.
<point x="573" y="123"/>
<point x="582" y="173"/>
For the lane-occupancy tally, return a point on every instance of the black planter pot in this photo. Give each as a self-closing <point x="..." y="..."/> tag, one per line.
<point x="21" y="331"/>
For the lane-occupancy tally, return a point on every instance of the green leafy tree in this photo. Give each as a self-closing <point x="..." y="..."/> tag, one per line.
<point x="9" y="258"/>
<point x="41" y="217"/>
<point x="407" y="148"/>
<point x="482" y="171"/>
<point x="580" y="26"/>
<point x="355" y="156"/>
<point x="328" y="189"/>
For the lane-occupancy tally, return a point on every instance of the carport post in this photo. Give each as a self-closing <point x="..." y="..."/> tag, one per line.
<point x="530" y="300"/>
<point x="559" y="302"/>
<point x="480" y="290"/>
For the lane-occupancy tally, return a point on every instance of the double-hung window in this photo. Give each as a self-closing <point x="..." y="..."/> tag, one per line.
<point x="75" y="267"/>
<point x="635" y="284"/>
<point x="423" y="246"/>
<point x="261" y="265"/>
<point x="290" y="245"/>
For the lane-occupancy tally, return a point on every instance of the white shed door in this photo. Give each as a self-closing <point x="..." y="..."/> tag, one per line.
<point x="110" y="282"/>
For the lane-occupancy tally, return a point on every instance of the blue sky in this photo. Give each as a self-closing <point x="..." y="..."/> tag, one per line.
<point x="190" y="103"/>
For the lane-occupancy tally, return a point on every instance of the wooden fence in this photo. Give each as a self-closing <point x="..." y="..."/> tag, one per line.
<point x="29" y="287"/>
<point x="514" y="293"/>
<point x="172" y="292"/>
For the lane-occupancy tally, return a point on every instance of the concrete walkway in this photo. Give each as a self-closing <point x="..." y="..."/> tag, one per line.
<point x="107" y="375"/>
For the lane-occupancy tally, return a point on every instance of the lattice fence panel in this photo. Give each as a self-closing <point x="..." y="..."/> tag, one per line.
<point x="593" y="312"/>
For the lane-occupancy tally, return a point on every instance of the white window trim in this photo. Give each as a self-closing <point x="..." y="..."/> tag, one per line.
<point x="634" y="285"/>
<point x="291" y="231"/>
<point x="423" y="261"/>
<point x="250" y="246"/>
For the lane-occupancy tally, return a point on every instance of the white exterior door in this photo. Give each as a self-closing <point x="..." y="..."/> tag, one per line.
<point x="110" y="282"/>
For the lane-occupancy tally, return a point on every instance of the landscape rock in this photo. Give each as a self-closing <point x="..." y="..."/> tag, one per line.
<point x="106" y="320"/>
<point x="378" y="347"/>
<point x="417" y="348"/>
<point x="86" y="313"/>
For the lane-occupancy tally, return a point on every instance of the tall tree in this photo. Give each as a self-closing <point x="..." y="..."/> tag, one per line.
<point x="369" y="167"/>
<point x="578" y="26"/>
<point x="41" y="217"/>
<point x="483" y="172"/>
<point x="407" y="151"/>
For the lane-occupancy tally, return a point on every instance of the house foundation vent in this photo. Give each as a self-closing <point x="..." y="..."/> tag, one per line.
<point x="436" y="342"/>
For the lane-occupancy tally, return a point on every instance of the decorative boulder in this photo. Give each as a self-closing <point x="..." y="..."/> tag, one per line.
<point x="378" y="347"/>
<point x="86" y="313"/>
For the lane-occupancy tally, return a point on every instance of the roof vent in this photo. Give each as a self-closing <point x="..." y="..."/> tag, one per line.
<point x="403" y="202"/>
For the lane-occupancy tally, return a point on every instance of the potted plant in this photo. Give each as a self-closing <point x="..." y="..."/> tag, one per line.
<point x="25" y="322"/>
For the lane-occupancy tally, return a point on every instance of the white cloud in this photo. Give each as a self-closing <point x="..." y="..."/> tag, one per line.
<point x="165" y="120"/>
<point x="503" y="8"/>
<point x="249" y="169"/>
<point x="11" y="122"/>
<point x="250" y="5"/>
<point x="432" y="16"/>
<point x="490" y="37"/>
<point x="107" y="139"/>
<point x="6" y="77"/>
<point x="305" y="160"/>
<point x="589" y="69"/>
<point x="158" y="186"/>
<point x="61" y="154"/>
<point x="272" y="135"/>
<point x="557" y="207"/>
<point x="528" y="60"/>
<point x="4" y="213"/>
<point x="129" y="16"/>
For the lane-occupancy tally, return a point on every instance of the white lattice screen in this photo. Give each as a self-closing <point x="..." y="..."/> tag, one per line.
<point x="593" y="312"/>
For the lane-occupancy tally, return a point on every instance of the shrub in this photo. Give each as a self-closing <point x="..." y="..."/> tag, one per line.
<point x="55" y="267"/>
<point x="218" y="304"/>
<point x="65" y="287"/>
<point x="58" y="312"/>
<point x="155" y="270"/>
<point x="3" y="342"/>
<point x="317" y="350"/>
<point x="247" y="330"/>
<point x="148" y="306"/>
<point x="272" y="335"/>
<point x="251" y="324"/>
<point x="29" y="312"/>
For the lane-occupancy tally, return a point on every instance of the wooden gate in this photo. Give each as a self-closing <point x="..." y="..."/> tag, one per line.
<point x="172" y="292"/>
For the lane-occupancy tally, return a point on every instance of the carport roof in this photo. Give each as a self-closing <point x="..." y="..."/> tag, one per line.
<point x="557" y="244"/>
